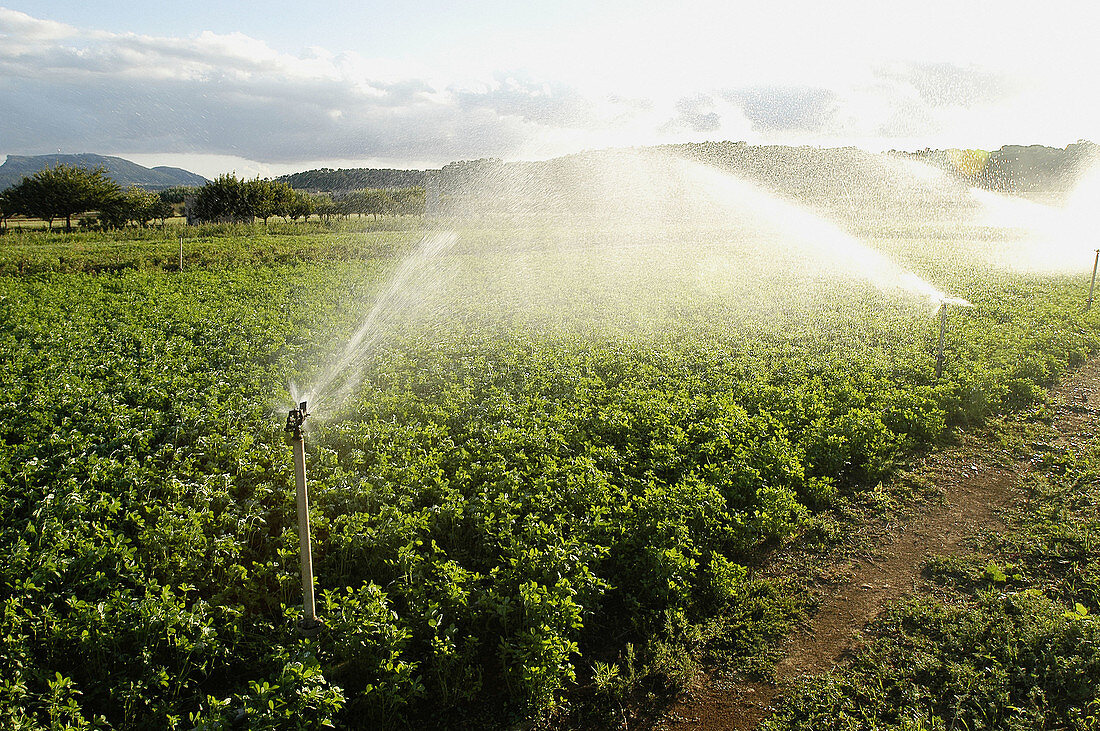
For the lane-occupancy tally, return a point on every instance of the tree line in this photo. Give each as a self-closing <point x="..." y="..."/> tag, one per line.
<point x="228" y="198"/>
<point x="376" y="202"/>
<point x="327" y="179"/>
<point x="66" y="192"/>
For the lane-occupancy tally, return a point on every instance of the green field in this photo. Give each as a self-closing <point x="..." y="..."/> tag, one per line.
<point x="557" y="460"/>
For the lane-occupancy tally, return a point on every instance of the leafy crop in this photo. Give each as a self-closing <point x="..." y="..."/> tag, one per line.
<point x="500" y="506"/>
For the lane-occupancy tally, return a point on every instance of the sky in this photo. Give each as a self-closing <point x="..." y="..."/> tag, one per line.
<point x="266" y="88"/>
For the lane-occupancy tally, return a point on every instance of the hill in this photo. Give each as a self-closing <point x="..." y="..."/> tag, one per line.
<point x="124" y="172"/>
<point x="845" y="182"/>
<point x="816" y="172"/>
<point x="328" y="180"/>
<point x="1018" y="168"/>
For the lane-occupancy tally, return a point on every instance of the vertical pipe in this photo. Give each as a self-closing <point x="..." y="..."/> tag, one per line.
<point x="943" y="331"/>
<point x="294" y="421"/>
<point x="181" y="253"/>
<point x="1092" y="287"/>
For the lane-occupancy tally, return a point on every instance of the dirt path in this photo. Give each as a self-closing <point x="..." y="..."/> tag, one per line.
<point x="977" y="480"/>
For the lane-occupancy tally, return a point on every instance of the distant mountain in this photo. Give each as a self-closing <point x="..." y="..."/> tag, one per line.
<point x="328" y="180"/>
<point x="124" y="172"/>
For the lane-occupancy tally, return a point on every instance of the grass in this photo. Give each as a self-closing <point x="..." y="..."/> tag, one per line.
<point x="1009" y="635"/>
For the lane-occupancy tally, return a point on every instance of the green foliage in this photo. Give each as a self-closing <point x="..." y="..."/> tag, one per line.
<point x="298" y="698"/>
<point x="1015" y="644"/>
<point x="62" y="192"/>
<point x="177" y="194"/>
<point x="300" y="205"/>
<point x="135" y="206"/>
<point x="327" y="179"/>
<point x="267" y="198"/>
<point x="210" y="246"/>
<point x="1011" y="660"/>
<point x="229" y="199"/>
<point x="7" y="209"/>
<point x="226" y="198"/>
<point x="378" y="202"/>
<point x="496" y="507"/>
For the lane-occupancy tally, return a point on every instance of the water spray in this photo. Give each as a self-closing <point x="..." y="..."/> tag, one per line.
<point x="412" y="292"/>
<point x="295" y="419"/>
<point x="1092" y="287"/>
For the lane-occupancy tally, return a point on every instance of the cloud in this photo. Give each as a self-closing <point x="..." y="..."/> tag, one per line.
<point x="697" y="113"/>
<point x="229" y="94"/>
<point x="20" y="28"/>
<point x="234" y="95"/>
<point x="947" y="84"/>
<point x="786" y="109"/>
<point x="540" y="103"/>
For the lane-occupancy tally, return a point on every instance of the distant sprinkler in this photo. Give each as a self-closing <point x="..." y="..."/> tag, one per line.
<point x="943" y="328"/>
<point x="1092" y="287"/>
<point x="294" y="422"/>
<point x="943" y="331"/>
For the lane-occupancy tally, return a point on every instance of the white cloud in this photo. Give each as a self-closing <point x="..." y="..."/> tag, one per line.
<point x="234" y="95"/>
<point x="20" y="28"/>
<point x="798" y="72"/>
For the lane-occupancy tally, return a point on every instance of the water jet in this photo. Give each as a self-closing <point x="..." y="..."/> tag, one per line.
<point x="412" y="291"/>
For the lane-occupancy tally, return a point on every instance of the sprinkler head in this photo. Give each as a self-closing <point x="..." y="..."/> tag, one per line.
<point x="295" y="418"/>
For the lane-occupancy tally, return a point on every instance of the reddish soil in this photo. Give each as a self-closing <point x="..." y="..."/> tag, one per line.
<point x="976" y="480"/>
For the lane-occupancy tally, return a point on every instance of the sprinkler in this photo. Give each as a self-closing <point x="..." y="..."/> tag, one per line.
<point x="943" y="331"/>
<point x="294" y="421"/>
<point x="1092" y="287"/>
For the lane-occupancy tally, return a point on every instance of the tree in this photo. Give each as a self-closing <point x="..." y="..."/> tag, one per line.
<point x="270" y="198"/>
<point x="301" y="206"/>
<point x="163" y="210"/>
<point x="377" y="202"/>
<point x="322" y="205"/>
<point x="177" y="194"/>
<point x="6" y="210"/>
<point x="173" y="201"/>
<point x="226" y="198"/>
<point x="263" y="197"/>
<point x="343" y="205"/>
<point x="63" y="192"/>
<point x="136" y="205"/>
<point x="409" y="201"/>
<point x="353" y="202"/>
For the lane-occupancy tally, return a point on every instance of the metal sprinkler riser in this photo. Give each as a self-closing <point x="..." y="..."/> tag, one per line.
<point x="295" y="420"/>
<point x="943" y="332"/>
<point x="1092" y="286"/>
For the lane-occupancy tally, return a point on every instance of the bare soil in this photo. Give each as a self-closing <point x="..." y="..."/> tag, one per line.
<point x="977" y="479"/>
